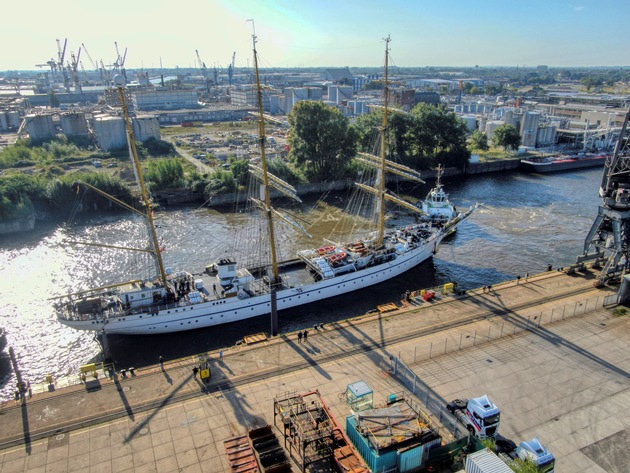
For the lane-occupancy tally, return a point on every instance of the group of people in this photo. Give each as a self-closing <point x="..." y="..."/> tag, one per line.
<point x="302" y="335"/>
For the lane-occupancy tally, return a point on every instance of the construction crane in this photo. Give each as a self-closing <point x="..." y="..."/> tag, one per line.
<point x="119" y="63"/>
<point x="608" y="241"/>
<point x="204" y="71"/>
<point x="72" y="66"/>
<point x="231" y="69"/>
<point x="95" y="66"/>
<point x="61" y="54"/>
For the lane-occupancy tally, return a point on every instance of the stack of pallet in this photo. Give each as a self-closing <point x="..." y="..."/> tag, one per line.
<point x="241" y="456"/>
<point x="269" y="451"/>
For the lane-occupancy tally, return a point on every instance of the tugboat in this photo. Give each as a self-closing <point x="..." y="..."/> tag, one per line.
<point x="436" y="207"/>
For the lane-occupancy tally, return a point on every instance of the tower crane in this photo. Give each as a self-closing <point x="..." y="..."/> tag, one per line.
<point x="608" y="241"/>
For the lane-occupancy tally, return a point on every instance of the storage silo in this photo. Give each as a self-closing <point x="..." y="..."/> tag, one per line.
<point x="74" y="124"/>
<point x="491" y="127"/>
<point x="4" y="122"/>
<point x="470" y="122"/>
<point x="110" y="132"/>
<point x="145" y="127"/>
<point x="529" y="128"/>
<point x="13" y="119"/>
<point x="40" y="127"/>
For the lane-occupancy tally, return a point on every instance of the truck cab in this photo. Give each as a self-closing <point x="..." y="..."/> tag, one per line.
<point x="485" y="415"/>
<point x="538" y="453"/>
<point x="479" y="415"/>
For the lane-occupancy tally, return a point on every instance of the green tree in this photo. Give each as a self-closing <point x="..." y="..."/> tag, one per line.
<point x="240" y="168"/>
<point x="438" y="137"/>
<point x="165" y="172"/>
<point x="506" y="136"/>
<point x="479" y="141"/>
<point x="321" y="140"/>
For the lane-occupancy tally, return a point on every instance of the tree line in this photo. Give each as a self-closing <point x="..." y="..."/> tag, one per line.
<point x="322" y="147"/>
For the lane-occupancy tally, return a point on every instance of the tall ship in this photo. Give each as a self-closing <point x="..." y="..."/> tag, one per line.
<point x="177" y="300"/>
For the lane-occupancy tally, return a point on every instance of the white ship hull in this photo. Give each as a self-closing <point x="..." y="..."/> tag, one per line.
<point x="227" y="310"/>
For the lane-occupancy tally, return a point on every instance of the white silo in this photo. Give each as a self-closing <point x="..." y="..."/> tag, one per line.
<point x="110" y="132"/>
<point x="491" y="127"/>
<point x="470" y="122"/>
<point x="40" y="127"/>
<point x="529" y="128"/>
<point x="145" y="127"/>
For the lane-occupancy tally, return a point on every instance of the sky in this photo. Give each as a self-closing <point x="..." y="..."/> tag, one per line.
<point x="318" y="33"/>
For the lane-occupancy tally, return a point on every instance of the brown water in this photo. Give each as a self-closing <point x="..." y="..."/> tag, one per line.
<point x="526" y="223"/>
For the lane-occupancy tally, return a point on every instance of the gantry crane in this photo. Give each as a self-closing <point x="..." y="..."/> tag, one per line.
<point x="608" y="241"/>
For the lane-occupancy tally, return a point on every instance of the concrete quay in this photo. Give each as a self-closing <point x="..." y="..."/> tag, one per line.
<point x="553" y="359"/>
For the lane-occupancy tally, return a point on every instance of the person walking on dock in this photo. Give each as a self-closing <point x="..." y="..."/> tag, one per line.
<point x="195" y="370"/>
<point x="161" y="361"/>
<point x="300" y="337"/>
<point x="526" y="276"/>
<point x="305" y="335"/>
<point x="518" y="279"/>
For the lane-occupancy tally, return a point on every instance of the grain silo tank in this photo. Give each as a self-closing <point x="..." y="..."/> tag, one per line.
<point x="40" y="127"/>
<point x="110" y="132"/>
<point x="13" y="118"/>
<point x="470" y="122"/>
<point x="145" y="127"/>
<point x="74" y="124"/>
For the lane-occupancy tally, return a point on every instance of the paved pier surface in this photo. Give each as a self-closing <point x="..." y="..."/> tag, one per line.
<point x="545" y="351"/>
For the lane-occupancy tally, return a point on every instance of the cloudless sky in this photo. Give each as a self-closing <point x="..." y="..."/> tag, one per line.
<point x="317" y="33"/>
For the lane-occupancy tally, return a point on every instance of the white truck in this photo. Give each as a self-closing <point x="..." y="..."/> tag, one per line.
<point x="532" y="450"/>
<point x="479" y="415"/>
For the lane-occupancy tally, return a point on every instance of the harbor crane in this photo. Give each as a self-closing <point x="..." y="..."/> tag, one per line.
<point x="61" y="54"/>
<point x="119" y="64"/>
<point x="204" y="71"/>
<point x="608" y="241"/>
<point x="231" y="69"/>
<point x="72" y="66"/>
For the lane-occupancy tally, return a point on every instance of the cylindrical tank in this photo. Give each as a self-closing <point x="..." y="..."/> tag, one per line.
<point x="73" y="124"/>
<point x="13" y="118"/>
<point x="40" y="127"/>
<point x="4" y="122"/>
<point x="145" y="127"/>
<point x="470" y="121"/>
<point x="110" y="132"/>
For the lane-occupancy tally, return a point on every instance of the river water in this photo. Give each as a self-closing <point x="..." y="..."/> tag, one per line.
<point x="527" y="221"/>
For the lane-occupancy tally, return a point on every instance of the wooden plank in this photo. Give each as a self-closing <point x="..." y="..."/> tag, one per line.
<point x="255" y="338"/>
<point x="387" y="307"/>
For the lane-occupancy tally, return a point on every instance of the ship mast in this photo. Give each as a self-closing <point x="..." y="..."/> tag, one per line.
<point x="266" y="197"/>
<point x="146" y="199"/>
<point x="382" y="169"/>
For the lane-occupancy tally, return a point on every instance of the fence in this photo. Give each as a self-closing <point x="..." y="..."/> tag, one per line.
<point x="504" y="325"/>
<point x="510" y="325"/>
